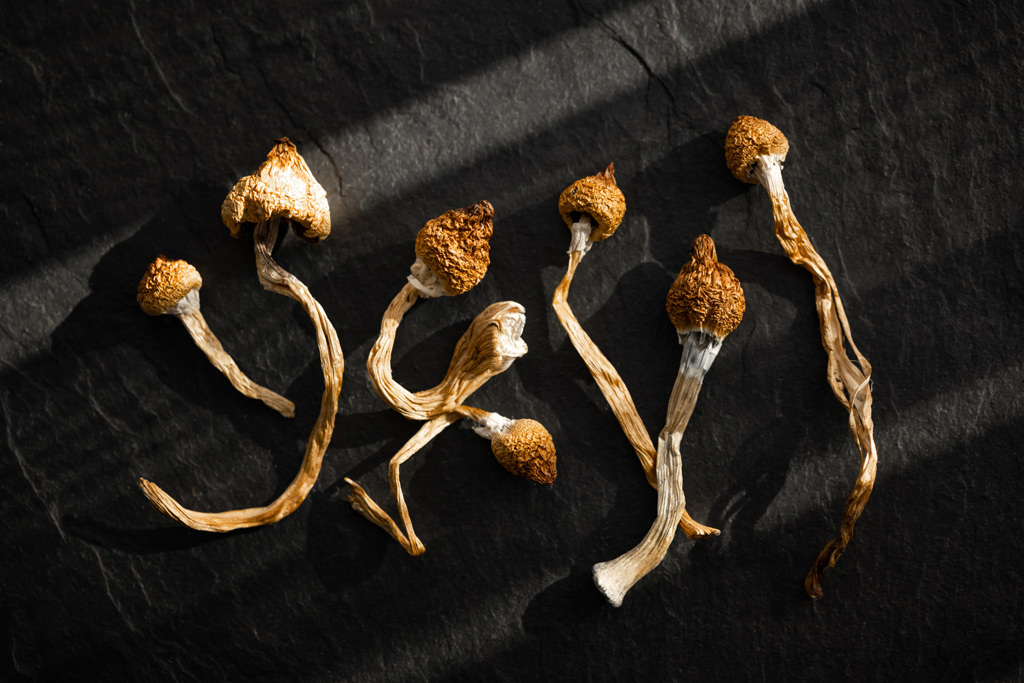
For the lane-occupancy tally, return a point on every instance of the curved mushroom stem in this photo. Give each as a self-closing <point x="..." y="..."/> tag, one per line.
<point x="850" y="382"/>
<point x="364" y="505"/>
<point x="276" y="279"/>
<point x="187" y="310"/>
<point x="617" y="576"/>
<point x="608" y="379"/>
<point x="480" y="354"/>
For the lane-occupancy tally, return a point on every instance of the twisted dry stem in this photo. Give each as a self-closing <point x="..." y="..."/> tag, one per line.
<point x="488" y="347"/>
<point x="615" y="577"/>
<point x="364" y="505"/>
<point x="207" y="341"/>
<point x="850" y="382"/>
<point x="611" y="385"/>
<point x="481" y="353"/>
<point x="275" y="279"/>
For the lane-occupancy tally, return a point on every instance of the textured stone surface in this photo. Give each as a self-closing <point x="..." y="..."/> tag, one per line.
<point x="126" y="124"/>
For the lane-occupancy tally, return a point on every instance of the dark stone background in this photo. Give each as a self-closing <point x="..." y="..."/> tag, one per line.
<point x="126" y="123"/>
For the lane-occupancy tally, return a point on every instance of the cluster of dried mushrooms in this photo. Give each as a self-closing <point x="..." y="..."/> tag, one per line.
<point x="452" y="255"/>
<point x="281" y="188"/>
<point x="705" y="304"/>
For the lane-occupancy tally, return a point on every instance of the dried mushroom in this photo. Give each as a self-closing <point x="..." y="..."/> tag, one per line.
<point x="754" y="152"/>
<point x="705" y="304"/>
<point x="283" y="187"/>
<point x="523" y="447"/>
<point x="452" y="255"/>
<point x="455" y="247"/>
<point x="593" y="207"/>
<point x="172" y="288"/>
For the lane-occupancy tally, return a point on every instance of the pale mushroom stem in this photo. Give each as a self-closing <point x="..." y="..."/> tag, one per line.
<point x="207" y="341"/>
<point x="364" y="505"/>
<point x="275" y="279"/>
<point x="607" y="378"/>
<point x="850" y="382"/>
<point x="615" y="577"/>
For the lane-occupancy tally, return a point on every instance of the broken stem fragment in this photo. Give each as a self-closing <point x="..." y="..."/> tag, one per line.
<point x="593" y="208"/>
<point x="172" y="288"/>
<point x="705" y="304"/>
<point x="754" y="152"/>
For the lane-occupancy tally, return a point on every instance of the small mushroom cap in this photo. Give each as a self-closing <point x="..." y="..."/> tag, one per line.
<point x="706" y="295"/>
<point x="456" y="246"/>
<point x="282" y="186"/>
<point x="748" y="138"/>
<point x="526" y="450"/>
<point x="166" y="283"/>
<point x="599" y="196"/>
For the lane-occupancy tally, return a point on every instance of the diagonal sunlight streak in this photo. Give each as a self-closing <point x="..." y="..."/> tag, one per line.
<point x="455" y="127"/>
<point x="34" y="303"/>
<point x="451" y="128"/>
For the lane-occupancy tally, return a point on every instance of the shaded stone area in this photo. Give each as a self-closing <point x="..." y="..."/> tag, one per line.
<point x="125" y="126"/>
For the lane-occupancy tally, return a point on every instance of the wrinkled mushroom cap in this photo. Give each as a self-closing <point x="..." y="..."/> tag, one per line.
<point x="456" y="246"/>
<point x="706" y="295"/>
<point x="748" y="138"/>
<point x="282" y="186"/>
<point x="526" y="450"/>
<point x="166" y="283"/>
<point x="597" y="195"/>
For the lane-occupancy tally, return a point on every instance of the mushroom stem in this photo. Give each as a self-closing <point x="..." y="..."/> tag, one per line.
<point x="610" y="383"/>
<point x="615" y="577"/>
<point x="276" y="279"/>
<point x="364" y="505"/>
<point x="487" y="348"/>
<point x="850" y="382"/>
<point x="187" y="311"/>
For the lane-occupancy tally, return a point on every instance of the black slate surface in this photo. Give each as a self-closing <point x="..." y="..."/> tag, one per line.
<point x="125" y="124"/>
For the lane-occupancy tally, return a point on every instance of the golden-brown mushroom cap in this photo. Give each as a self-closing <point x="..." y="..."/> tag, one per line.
<point x="706" y="295"/>
<point x="599" y="196"/>
<point x="526" y="450"/>
<point x="166" y="283"/>
<point x="282" y="186"/>
<point x="456" y="246"/>
<point x="748" y="138"/>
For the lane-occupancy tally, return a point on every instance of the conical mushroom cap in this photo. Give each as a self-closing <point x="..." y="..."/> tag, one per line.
<point x="526" y="450"/>
<point x="748" y="138"/>
<point x="456" y="246"/>
<point x="706" y="295"/>
<point x="597" y="195"/>
<point x="166" y="283"/>
<point x="282" y="186"/>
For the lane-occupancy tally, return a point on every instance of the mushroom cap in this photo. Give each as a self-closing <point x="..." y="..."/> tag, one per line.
<point x="748" y="138"/>
<point x="706" y="295"/>
<point x="526" y="450"/>
<point x="456" y="246"/>
<point x="599" y="196"/>
<point x="282" y="186"/>
<point x="166" y="283"/>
